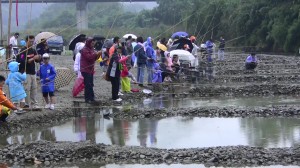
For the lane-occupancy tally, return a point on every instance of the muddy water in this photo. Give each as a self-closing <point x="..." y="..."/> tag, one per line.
<point x="176" y="132"/>
<point x="169" y="102"/>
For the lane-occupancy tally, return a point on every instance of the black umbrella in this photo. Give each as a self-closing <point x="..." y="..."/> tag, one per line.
<point x="181" y="42"/>
<point x="75" y="40"/>
<point x="99" y="42"/>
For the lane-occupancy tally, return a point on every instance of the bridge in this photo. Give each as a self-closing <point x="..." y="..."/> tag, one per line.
<point x="82" y="22"/>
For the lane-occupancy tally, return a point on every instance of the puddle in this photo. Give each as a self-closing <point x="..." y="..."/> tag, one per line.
<point x="170" y="133"/>
<point x="169" y="102"/>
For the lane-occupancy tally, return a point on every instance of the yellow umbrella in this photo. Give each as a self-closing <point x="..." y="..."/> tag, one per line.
<point x="43" y="35"/>
<point x="162" y="47"/>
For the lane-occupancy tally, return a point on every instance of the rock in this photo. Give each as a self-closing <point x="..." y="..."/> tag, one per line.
<point x="166" y="156"/>
<point x="47" y="163"/>
<point x="142" y="156"/>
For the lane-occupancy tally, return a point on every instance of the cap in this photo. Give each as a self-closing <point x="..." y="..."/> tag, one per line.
<point x="46" y="55"/>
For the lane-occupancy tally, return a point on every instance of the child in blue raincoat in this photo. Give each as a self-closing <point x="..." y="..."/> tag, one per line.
<point x="48" y="74"/>
<point x="15" y="84"/>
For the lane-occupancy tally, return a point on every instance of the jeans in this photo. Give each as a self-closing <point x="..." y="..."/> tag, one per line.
<point x="88" y="80"/>
<point x="150" y="73"/>
<point x="115" y="87"/>
<point x="31" y="90"/>
<point x="140" y="74"/>
<point x="221" y="55"/>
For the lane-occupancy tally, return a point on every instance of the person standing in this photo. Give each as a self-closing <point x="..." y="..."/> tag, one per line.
<point x="47" y="74"/>
<point x="78" y="45"/>
<point x="87" y="64"/>
<point x="150" y="60"/>
<point x="114" y="73"/>
<point x="27" y="58"/>
<point x="209" y="50"/>
<point x="195" y="51"/>
<point x="221" y="49"/>
<point x="42" y="47"/>
<point x="13" y="43"/>
<point x="141" y="57"/>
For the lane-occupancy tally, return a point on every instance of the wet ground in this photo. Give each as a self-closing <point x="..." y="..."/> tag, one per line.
<point x="201" y="122"/>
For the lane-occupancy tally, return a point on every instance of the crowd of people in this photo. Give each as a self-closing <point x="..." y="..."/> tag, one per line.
<point x="116" y="62"/>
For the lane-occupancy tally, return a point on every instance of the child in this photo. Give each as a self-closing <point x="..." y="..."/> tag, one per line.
<point x="48" y="73"/>
<point x="157" y="76"/>
<point x="14" y="82"/>
<point x="166" y="72"/>
<point x="5" y="104"/>
<point x="125" y="81"/>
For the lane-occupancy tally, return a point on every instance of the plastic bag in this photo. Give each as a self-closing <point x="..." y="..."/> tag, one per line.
<point x="78" y="86"/>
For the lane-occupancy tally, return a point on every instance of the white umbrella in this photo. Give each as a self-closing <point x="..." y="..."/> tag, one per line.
<point x="183" y="55"/>
<point x="43" y="35"/>
<point x="132" y="35"/>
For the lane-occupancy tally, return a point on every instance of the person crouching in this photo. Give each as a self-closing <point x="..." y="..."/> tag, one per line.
<point x="251" y="62"/>
<point x="48" y="74"/>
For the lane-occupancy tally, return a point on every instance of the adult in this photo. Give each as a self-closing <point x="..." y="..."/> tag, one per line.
<point x="42" y="47"/>
<point x="87" y="64"/>
<point x="13" y="43"/>
<point x="141" y="57"/>
<point x="150" y="60"/>
<point x="77" y="61"/>
<point x="114" y="47"/>
<point x="221" y="49"/>
<point x="209" y="49"/>
<point x="251" y="62"/>
<point x="27" y="58"/>
<point x="195" y="51"/>
<point x="114" y="73"/>
<point x="78" y="45"/>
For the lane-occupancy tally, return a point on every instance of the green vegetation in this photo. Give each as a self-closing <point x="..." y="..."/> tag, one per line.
<point x="269" y="25"/>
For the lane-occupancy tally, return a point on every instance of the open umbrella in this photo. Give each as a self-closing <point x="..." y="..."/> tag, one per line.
<point x="43" y="35"/>
<point x="180" y="34"/>
<point x="75" y="40"/>
<point x="182" y="41"/>
<point x="132" y="35"/>
<point x="182" y="55"/>
<point x="162" y="47"/>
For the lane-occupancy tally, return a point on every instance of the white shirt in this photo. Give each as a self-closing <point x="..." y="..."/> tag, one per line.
<point x="13" y="41"/>
<point x="78" y="47"/>
<point x="77" y="64"/>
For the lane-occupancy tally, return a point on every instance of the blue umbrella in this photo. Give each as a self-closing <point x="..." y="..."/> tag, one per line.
<point x="180" y="34"/>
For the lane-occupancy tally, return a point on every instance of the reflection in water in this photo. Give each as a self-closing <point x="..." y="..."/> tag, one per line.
<point x="169" y="102"/>
<point x="275" y="132"/>
<point x="176" y="132"/>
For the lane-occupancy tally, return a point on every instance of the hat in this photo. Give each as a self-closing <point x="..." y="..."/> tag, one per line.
<point x="186" y="46"/>
<point x="46" y="55"/>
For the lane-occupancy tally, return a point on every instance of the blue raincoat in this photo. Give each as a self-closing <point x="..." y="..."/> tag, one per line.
<point x="14" y="82"/>
<point x="47" y="71"/>
<point x="150" y="52"/>
<point x="157" y="77"/>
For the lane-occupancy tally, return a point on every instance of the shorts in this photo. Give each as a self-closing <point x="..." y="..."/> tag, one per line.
<point x="46" y="94"/>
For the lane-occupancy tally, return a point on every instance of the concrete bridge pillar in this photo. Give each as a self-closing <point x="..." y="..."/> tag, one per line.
<point x="82" y="21"/>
